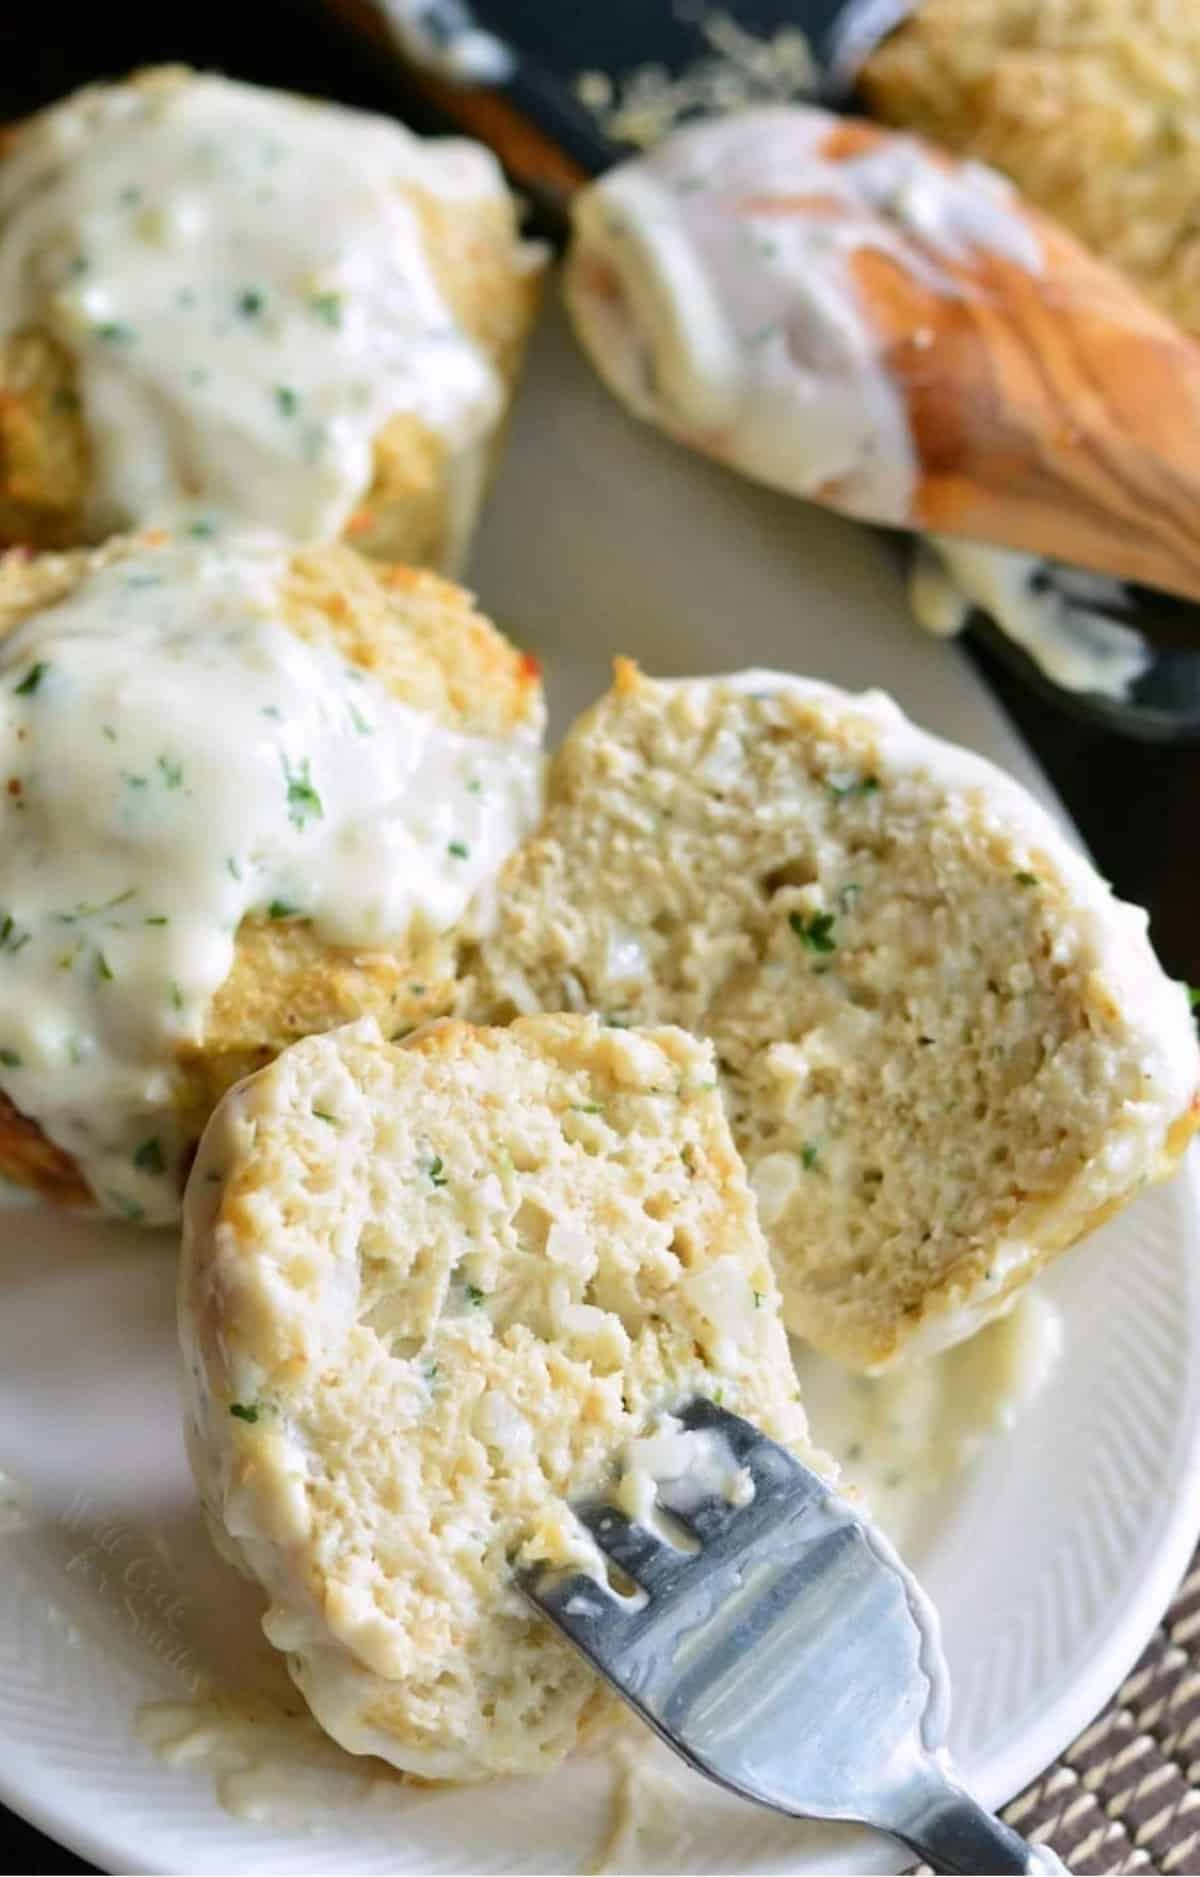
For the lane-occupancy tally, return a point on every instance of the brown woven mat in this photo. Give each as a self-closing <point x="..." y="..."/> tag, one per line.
<point x="1126" y="1795"/>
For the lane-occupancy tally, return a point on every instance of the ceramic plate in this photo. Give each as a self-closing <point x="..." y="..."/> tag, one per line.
<point x="1051" y="1561"/>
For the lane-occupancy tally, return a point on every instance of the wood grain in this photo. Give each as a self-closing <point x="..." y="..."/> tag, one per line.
<point x="1057" y="412"/>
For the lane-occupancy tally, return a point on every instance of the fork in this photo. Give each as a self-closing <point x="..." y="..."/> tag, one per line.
<point x="783" y="1650"/>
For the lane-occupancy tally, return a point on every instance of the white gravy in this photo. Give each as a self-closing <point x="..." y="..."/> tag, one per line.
<point x="241" y="279"/>
<point x="901" y="1436"/>
<point x="270" y="1764"/>
<point x="1058" y="624"/>
<point x="715" y="301"/>
<point x="174" y="759"/>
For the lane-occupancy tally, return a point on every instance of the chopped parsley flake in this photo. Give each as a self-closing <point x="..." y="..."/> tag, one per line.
<point x="474" y="1295"/>
<point x="158" y="918"/>
<point x="134" y="782"/>
<point x="272" y="710"/>
<point x="1026" y="879"/>
<point x="1193" y="995"/>
<point x="243" y="1412"/>
<point x="103" y="968"/>
<point x="233" y="867"/>
<point x="202" y="529"/>
<point x="816" y="933"/>
<point x="114" y="332"/>
<point x="287" y="401"/>
<point x="360" y="723"/>
<point x="323" y="1114"/>
<point x="327" y="307"/>
<point x="587" y="1107"/>
<point x="304" y="804"/>
<point x="107" y="731"/>
<point x="176" y="995"/>
<point x="172" y="772"/>
<point x="281" y="909"/>
<point x="129" y="1208"/>
<point x="434" y="1170"/>
<point x="809" y="1153"/>
<point x="474" y="786"/>
<point x="842" y="786"/>
<point x="250" y="303"/>
<point x="33" y="677"/>
<point x="758" y="1299"/>
<point x="11" y="936"/>
<point x="149" y="1157"/>
<point x="459" y="849"/>
<point x="10" y="1058"/>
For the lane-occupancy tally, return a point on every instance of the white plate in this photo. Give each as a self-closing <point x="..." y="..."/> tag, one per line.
<point x="1052" y="1562"/>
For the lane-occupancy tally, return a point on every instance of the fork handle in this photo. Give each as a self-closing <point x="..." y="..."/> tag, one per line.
<point x="953" y="1833"/>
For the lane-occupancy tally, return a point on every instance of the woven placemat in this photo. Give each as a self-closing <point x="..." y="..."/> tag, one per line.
<point x="1126" y="1795"/>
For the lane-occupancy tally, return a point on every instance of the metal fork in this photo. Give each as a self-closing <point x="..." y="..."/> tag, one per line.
<point x="787" y="1654"/>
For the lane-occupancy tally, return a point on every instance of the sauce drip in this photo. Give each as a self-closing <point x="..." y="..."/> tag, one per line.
<point x="242" y="281"/>
<point x="177" y="759"/>
<point x="711" y="284"/>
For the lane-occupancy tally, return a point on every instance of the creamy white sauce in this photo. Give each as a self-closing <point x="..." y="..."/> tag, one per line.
<point x="901" y="1436"/>
<point x="445" y="37"/>
<point x="689" y="1461"/>
<point x="269" y="1763"/>
<point x="175" y="759"/>
<point x="243" y="283"/>
<point x="650" y="1814"/>
<point x="1057" y="623"/>
<point x="736" y="322"/>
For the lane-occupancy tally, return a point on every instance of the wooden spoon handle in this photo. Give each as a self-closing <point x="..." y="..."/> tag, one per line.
<point x="1056" y="412"/>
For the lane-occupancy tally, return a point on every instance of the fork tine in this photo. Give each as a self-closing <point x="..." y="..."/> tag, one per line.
<point x="648" y="1559"/>
<point x="771" y="1467"/>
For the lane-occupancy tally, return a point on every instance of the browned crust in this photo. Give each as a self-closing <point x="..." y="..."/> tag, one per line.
<point x="421" y="636"/>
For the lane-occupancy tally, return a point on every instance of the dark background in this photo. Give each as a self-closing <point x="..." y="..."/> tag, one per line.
<point x="1136" y="804"/>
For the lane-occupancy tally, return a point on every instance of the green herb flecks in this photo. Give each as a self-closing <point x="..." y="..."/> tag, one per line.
<point x="176" y="996"/>
<point x="157" y="918"/>
<point x="360" y="723"/>
<point x="250" y="303"/>
<point x="282" y="909"/>
<point x="810" y="1153"/>
<point x="323" y="1114"/>
<point x="12" y="936"/>
<point x="128" y="1208"/>
<point x="474" y="1295"/>
<point x="10" y="1058"/>
<point x="104" y="972"/>
<point x="474" y="786"/>
<point x="303" y="802"/>
<point x="327" y="307"/>
<point x="232" y="867"/>
<point x="816" y="932"/>
<point x="587" y="1107"/>
<point x="1193" y="992"/>
<point x="114" y="332"/>
<point x="171" y="772"/>
<point x="244" y="1411"/>
<point x="459" y="849"/>
<point x="1026" y="879"/>
<point x="33" y="677"/>
<point x="436" y="1176"/>
<point x="287" y="401"/>
<point x="149" y="1157"/>
<point x="202" y="529"/>
<point x="840" y="787"/>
